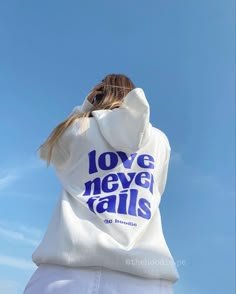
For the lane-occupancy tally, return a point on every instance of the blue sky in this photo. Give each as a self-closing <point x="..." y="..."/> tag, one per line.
<point x="182" y="54"/>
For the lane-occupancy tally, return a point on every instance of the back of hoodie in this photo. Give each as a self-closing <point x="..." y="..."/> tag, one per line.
<point x="113" y="170"/>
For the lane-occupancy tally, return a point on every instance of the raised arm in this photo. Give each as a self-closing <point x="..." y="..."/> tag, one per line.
<point x="126" y="128"/>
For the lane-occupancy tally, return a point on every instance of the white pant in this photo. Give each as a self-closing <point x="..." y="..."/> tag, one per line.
<point x="53" y="279"/>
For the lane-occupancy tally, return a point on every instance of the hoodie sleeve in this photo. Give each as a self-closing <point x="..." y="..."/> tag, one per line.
<point x="126" y="128"/>
<point x="86" y="106"/>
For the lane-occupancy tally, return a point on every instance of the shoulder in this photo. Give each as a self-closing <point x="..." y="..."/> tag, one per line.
<point x="161" y="135"/>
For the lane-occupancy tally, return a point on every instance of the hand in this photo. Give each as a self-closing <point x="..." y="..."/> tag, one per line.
<point x="95" y="91"/>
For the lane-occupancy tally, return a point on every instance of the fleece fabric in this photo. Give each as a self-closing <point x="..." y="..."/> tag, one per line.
<point x="113" y="170"/>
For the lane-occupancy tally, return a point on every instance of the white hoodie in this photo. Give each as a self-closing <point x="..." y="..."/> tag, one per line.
<point x="113" y="170"/>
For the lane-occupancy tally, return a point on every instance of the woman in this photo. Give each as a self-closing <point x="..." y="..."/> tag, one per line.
<point x="106" y="235"/>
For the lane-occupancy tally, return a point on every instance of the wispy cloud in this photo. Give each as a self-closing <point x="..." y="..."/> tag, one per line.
<point x="7" y="194"/>
<point x="10" y="175"/>
<point x="197" y="176"/>
<point x="6" y="178"/>
<point x="9" y="287"/>
<point x="19" y="263"/>
<point x="32" y="231"/>
<point x="20" y="233"/>
<point x="9" y="234"/>
<point x="176" y="158"/>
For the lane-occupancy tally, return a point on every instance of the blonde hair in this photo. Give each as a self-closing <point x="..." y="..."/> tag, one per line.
<point x="115" y="88"/>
